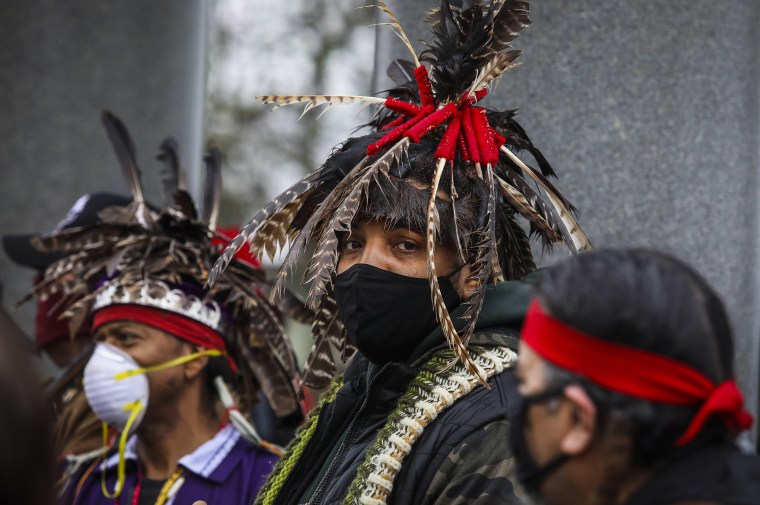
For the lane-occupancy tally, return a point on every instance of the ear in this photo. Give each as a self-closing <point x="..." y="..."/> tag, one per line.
<point x="583" y="421"/>
<point x="194" y="368"/>
<point x="465" y="285"/>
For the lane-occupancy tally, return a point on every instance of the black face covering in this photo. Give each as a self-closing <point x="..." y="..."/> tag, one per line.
<point x="528" y="472"/>
<point x="386" y="315"/>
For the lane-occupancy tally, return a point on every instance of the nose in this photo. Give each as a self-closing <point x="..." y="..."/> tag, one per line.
<point x="375" y="254"/>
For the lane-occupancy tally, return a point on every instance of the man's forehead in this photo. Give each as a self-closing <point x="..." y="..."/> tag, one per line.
<point x="133" y="326"/>
<point x="363" y="222"/>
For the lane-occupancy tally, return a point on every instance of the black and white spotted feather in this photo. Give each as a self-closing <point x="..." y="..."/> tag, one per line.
<point x="137" y="248"/>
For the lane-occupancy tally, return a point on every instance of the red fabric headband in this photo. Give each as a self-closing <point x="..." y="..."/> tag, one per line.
<point x="634" y="372"/>
<point x="170" y="322"/>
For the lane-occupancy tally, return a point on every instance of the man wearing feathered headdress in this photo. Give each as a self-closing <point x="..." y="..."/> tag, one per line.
<point x="415" y="277"/>
<point x="175" y="366"/>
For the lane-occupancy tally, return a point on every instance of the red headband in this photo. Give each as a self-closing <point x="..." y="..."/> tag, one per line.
<point x="164" y="320"/>
<point x="634" y="372"/>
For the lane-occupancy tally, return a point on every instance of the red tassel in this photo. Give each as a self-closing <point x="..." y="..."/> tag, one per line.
<point x="469" y="101"/>
<point x="402" y="107"/>
<point x="498" y="140"/>
<point x="398" y="132"/>
<point x="469" y="135"/>
<point x="462" y="145"/>
<point x="424" y="86"/>
<point x="447" y="147"/>
<point x="488" y="152"/>
<point x="396" y="122"/>
<point x="435" y="119"/>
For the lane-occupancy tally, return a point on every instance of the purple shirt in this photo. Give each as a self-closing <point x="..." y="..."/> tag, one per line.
<point x="224" y="470"/>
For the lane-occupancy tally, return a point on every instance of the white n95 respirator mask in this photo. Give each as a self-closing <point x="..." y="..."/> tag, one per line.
<point x="114" y="387"/>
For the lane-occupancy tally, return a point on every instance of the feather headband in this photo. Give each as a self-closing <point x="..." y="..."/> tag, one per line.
<point x="430" y="129"/>
<point x="161" y="259"/>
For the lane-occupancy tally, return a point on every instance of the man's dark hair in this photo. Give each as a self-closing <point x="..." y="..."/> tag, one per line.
<point x="651" y="301"/>
<point x="399" y="202"/>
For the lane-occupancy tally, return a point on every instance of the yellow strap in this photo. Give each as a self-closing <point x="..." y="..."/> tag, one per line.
<point x="135" y="408"/>
<point x="164" y="494"/>
<point x="168" y="364"/>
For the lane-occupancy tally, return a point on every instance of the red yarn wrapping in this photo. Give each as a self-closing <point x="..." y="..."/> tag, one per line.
<point x="424" y="86"/>
<point x="468" y="101"/>
<point x="433" y="120"/>
<point x="396" y="122"/>
<point x="469" y="135"/>
<point x="464" y="153"/>
<point x="447" y="147"/>
<point x="483" y="132"/>
<point x="402" y="107"/>
<point x="395" y="134"/>
<point x="498" y="140"/>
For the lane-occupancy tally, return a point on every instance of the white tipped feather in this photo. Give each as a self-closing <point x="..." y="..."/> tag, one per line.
<point x="580" y="240"/>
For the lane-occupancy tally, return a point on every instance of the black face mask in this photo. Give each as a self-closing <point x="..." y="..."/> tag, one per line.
<point x="387" y="315"/>
<point x="528" y="472"/>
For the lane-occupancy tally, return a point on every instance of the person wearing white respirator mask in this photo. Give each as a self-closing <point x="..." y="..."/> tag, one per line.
<point x="175" y="365"/>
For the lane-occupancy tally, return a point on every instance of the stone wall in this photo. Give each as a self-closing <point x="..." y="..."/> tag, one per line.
<point x="62" y="63"/>
<point x="649" y="112"/>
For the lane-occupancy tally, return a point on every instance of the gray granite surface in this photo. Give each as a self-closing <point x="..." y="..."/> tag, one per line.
<point x="650" y="114"/>
<point x="61" y="63"/>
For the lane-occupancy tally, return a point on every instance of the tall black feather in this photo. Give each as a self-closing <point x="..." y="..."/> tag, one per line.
<point x="467" y="35"/>
<point x="212" y="192"/>
<point x="174" y="179"/>
<point x="125" y="151"/>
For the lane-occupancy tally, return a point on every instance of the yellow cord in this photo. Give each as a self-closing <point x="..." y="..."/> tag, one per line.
<point x="168" y="364"/>
<point x="134" y="408"/>
<point x="164" y="494"/>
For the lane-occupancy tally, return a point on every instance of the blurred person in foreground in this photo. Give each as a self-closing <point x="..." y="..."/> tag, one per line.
<point x="76" y="428"/>
<point x="27" y="463"/>
<point x="426" y="206"/>
<point x="172" y="361"/>
<point x="627" y="392"/>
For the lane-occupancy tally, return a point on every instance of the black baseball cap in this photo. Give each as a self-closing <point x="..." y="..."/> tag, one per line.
<point x="84" y="212"/>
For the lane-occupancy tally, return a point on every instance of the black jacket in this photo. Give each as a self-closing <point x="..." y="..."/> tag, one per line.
<point x="462" y="456"/>
<point x="716" y="473"/>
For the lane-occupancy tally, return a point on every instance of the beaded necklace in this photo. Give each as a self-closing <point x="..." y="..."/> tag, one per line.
<point x="436" y="387"/>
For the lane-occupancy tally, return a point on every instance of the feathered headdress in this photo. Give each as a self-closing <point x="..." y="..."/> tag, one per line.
<point x="138" y="258"/>
<point x="431" y="130"/>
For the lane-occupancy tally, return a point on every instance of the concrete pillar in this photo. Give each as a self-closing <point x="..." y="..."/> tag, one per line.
<point x="650" y="114"/>
<point x="62" y="63"/>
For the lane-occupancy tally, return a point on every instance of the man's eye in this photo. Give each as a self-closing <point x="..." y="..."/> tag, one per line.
<point x="352" y="245"/>
<point x="126" y="337"/>
<point x="407" y="246"/>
